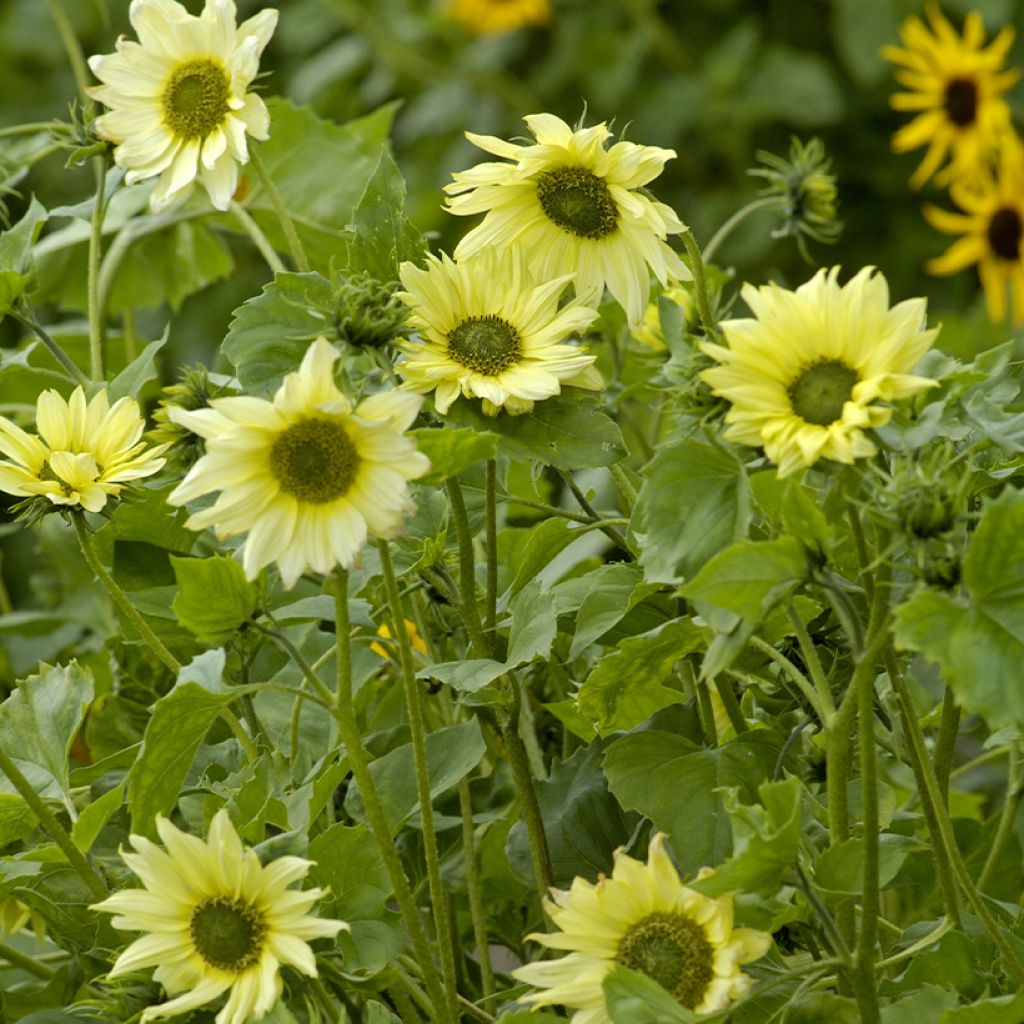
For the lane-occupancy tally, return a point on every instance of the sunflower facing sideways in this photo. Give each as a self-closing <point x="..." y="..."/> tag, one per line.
<point x="643" y="918"/>
<point x="216" y="921"/>
<point x="956" y="85"/>
<point x="992" y="226"/>
<point x="574" y="204"/>
<point x="491" y="331"/>
<point x="805" y="379"/>
<point x="177" y="100"/>
<point x="306" y="476"/>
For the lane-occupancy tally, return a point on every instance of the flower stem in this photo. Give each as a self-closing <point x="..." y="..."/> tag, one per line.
<point x="764" y="203"/>
<point x="418" y="735"/>
<point x="812" y="661"/>
<point x="1011" y="802"/>
<point x="260" y="240"/>
<point x="945" y="744"/>
<point x="491" y="488"/>
<point x="700" y="284"/>
<point x="29" y="321"/>
<point x="474" y="892"/>
<point x="794" y="674"/>
<point x="53" y="827"/>
<point x="96" y="325"/>
<point x="287" y="225"/>
<point x="467" y="569"/>
<point x="29" y="964"/>
<point x="120" y="598"/>
<point x="357" y="758"/>
<point x="626" y="489"/>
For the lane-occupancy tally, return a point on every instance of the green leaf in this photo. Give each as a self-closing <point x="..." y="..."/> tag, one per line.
<point x="839" y="871"/>
<point x="382" y="236"/>
<point x="677" y="537"/>
<point x="534" y="624"/>
<point x="633" y="998"/>
<point x="547" y="540"/>
<point x="16" y="254"/>
<point x="569" y="431"/>
<point x="612" y="591"/>
<point x="453" y="449"/>
<point x="922" y="1007"/>
<point x="139" y="372"/>
<point x="626" y="687"/>
<point x="583" y="822"/>
<point x="270" y="333"/>
<point x="39" y="721"/>
<point x="16" y="819"/>
<point x="748" y="578"/>
<point x="214" y="597"/>
<point x="465" y="676"/>
<point x="452" y="753"/>
<point x="672" y="781"/>
<point x="349" y="863"/>
<point x="94" y="816"/>
<point x="178" y="725"/>
<point x="998" y="1010"/>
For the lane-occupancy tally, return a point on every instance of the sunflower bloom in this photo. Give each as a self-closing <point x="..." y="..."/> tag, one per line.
<point x="574" y="205"/>
<point x="306" y="476"/>
<point x="956" y="85"/>
<point x="492" y="17"/>
<point x="384" y="632"/>
<point x="805" y="377"/>
<point x="84" y="454"/>
<point x="489" y="330"/>
<point x="644" y="918"/>
<point x="216" y="921"/>
<point x="177" y="100"/>
<point x="992" y="226"/>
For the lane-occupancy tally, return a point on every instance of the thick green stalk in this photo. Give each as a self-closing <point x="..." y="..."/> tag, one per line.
<point x="626" y="489"/>
<point x="837" y="778"/>
<point x="810" y="655"/>
<point x="475" y="892"/>
<point x="287" y="225"/>
<point x="467" y="569"/>
<point x="96" y="324"/>
<point x="700" y="286"/>
<point x="491" y="501"/>
<point x="359" y="762"/>
<point x="53" y="827"/>
<point x="29" y="964"/>
<point x="945" y="744"/>
<point x="418" y="735"/>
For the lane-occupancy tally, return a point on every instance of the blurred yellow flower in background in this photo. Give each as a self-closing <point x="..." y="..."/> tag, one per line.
<point x="490" y="17"/>
<point x="955" y="87"/>
<point x="415" y="640"/>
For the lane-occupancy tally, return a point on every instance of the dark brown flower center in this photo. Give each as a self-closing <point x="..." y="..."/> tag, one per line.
<point x="1004" y="233"/>
<point x="578" y="202"/>
<point x="961" y="101"/>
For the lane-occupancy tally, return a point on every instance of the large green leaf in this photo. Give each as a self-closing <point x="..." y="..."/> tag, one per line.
<point x="453" y="449"/>
<point x="214" y="597"/>
<point x="633" y="998"/>
<point x="16" y="254"/>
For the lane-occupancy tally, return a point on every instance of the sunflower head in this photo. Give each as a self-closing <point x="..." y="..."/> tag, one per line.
<point x="178" y="100"/>
<point x="955" y="87"/>
<point x="806" y="378"/>
<point x="368" y="313"/>
<point x="643" y="918"/>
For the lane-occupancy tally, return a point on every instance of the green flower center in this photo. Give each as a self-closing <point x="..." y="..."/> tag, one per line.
<point x="578" y="202"/>
<point x="486" y="344"/>
<point x="1004" y="231"/>
<point x="227" y="933"/>
<point x="961" y="101"/>
<point x="315" y="460"/>
<point x="673" y="951"/>
<point x="820" y="392"/>
<point x="196" y="99"/>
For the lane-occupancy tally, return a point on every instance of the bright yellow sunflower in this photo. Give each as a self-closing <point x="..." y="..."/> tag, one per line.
<point x="306" y="476"/>
<point x="805" y="378"/>
<point x="490" y="330"/>
<point x="85" y="452"/>
<point x="992" y="226"/>
<point x="216" y="921"/>
<point x="956" y="86"/>
<point x="491" y="17"/>
<point x="575" y="206"/>
<point x="644" y="918"/>
<point x="178" y="99"/>
<point x="389" y="652"/>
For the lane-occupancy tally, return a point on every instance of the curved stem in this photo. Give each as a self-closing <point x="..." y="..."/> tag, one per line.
<point x="811" y="660"/>
<point x="54" y="348"/>
<point x="795" y="675"/>
<point x="260" y="240"/>
<point x="32" y="128"/>
<point x="418" y="736"/>
<point x="700" y="286"/>
<point x="287" y="225"/>
<point x="736" y="219"/>
<point x="1014" y="792"/>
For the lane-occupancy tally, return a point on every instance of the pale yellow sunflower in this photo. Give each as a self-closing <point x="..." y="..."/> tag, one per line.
<point x="85" y="452"/>
<point x="956" y="87"/>
<point x="306" y="476"/>
<point x="575" y="205"/>
<point x="644" y="918"/>
<point x="490" y="330"/>
<point x="805" y="379"/>
<point x="992" y="226"/>
<point x="216" y="921"/>
<point x="491" y="17"/>
<point x="178" y="100"/>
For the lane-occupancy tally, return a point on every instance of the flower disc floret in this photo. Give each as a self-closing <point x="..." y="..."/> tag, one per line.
<point x="216" y="921"/>
<point x="84" y="454"/>
<point x="178" y="100"/>
<point x="805" y="379"/>
<point x="574" y="203"/>
<point x="305" y="476"/>
<point x="488" y="329"/>
<point x="643" y="918"/>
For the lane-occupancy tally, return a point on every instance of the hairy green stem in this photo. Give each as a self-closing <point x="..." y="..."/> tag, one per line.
<point x="96" y="318"/>
<point x="491" y="507"/>
<point x="700" y="286"/>
<point x="287" y="225"/>
<point x="29" y="964"/>
<point x="794" y="674"/>
<point x="764" y="203"/>
<point x="54" y="347"/>
<point x="810" y="655"/>
<point x="626" y="489"/>
<point x="1014" y="792"/>
<point x="474" y="891"/>
<point x="731" y="705"/>
<point x="945" y="744"/>
<point x="359" y="761"/>
<point x="467" y="569"/>
<point x="602" y="524"/>
<point x="259" y="239"/>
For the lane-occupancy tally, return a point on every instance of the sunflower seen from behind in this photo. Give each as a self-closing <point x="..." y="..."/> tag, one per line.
<point x="215" y="921"/>
<point x="306" y="476"/>
<point x="574" y="203"/>
<point x="806" y="377"/>
<point x="991" y="226"/>
<point x="955" y="87"/>
<point x="178" y="100"/>
<point x="492" y="17"/>
<point x="643" y="918"/>
<point x="490" y="330"/>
